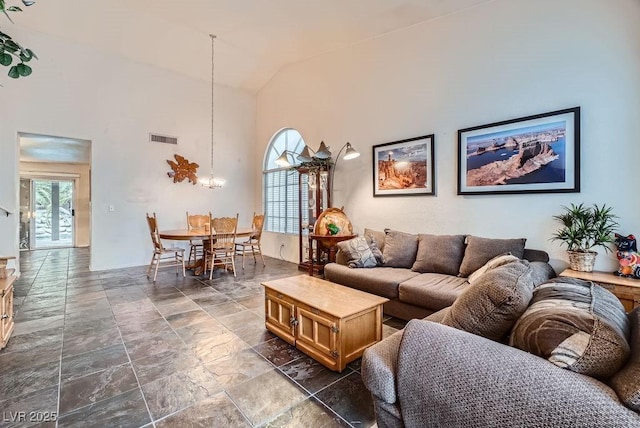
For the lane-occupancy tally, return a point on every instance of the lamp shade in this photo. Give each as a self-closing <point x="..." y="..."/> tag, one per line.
<point x="305" y="156"/>
<point x="323" y="151"/>
<point x="351" y="153"/>
<point x="282" y="160"/>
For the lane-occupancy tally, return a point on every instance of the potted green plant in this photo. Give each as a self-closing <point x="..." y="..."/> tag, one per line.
<point x="584" y="228"/>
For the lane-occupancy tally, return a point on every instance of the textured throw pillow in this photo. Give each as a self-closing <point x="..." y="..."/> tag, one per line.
<point x="373" y="246"/>
<point x="576" y="325"/>
<point x="495" y="302"/>
<point x="399" y="249"/>
<point x="439" y="254"/>
<point x="357" y="253"/>
<point x="481" y="250"/>
<point x="626" y="382"/>
<point x="493" y="263"/>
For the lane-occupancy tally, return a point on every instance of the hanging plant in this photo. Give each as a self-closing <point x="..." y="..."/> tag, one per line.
<point x="10" y="50"/>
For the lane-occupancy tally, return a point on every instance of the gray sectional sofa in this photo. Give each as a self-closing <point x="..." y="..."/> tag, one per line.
<point x="508" y="354"/>
<point x="421" y="274"/>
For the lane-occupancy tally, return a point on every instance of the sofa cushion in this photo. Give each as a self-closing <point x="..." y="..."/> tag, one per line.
<point x="358" y="253"/>
<point x="626" y="382"/>
<point x="500" y="260"/>
<point x="377" y="235"/>
<point x="439" y="254"/>
<point x="400" y="249"/>
<point x="433" y="291"/>
<point x="481" y="250"/>
<point x="381" y="281"/>
<point x="576" y="325"/>
<point x="494" y="302"/>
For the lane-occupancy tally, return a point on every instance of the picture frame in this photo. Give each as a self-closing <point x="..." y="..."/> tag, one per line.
<point x="404" y="167"/>
<point x="532" y="154"/>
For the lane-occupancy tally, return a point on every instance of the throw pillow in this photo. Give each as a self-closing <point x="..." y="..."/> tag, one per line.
<point x="481" y="250"/>
<point x="373" y="245"/>
<point x="357" y="253"/>
<point x="495" y="302"/>
<point x="493" y="263"/>
<point x="626" y="382"/>
<point x="576" y="325"/>
<point x="399" y="249"/>
<point x="439" y="254"/>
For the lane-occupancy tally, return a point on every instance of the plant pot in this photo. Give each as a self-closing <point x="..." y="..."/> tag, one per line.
<point x="582" y="261"/>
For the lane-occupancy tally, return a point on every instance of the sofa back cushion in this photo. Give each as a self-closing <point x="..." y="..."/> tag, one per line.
<point x="439" y="254"/>
<point x="576" y="325"/>
<point x="400" y="249"/>
<point x="480" y="250"/>
<point x="357" y="253"/>
<point x="626" y="382"/>
<point x="494" y="302"/>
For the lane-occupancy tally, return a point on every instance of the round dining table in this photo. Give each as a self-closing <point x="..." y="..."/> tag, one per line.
<point x="195" y="234"/>
<point x="188" y="234"/>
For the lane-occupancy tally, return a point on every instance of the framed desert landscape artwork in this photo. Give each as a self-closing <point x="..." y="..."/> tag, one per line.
<point x="404" y="168"/>
<point x="533" y="154"/>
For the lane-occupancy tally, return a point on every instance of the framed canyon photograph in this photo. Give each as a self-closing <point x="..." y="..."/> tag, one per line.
<point x="533" y="154"/>
<point x="404" y="168"/>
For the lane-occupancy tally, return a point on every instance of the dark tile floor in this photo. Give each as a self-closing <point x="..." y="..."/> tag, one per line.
<point x="111" y="348"/>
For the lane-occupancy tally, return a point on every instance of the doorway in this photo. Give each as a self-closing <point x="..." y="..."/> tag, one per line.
<point x="46" y="213"/>
<point x="55" y="192"/>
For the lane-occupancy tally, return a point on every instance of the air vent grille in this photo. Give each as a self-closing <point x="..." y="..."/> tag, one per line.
<point x="157" y="138"/>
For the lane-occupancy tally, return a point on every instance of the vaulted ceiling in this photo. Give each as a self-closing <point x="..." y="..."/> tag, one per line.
<point x="256" y="38"/>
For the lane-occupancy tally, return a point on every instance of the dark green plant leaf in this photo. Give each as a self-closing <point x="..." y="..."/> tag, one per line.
<point x="13" y="72"/>
<point x="7" y="15"/>
<point x="32" y="53"/>
<point x="23" y="69"/>
<point x="14" y="9"/>
<point x="5" y="59"/>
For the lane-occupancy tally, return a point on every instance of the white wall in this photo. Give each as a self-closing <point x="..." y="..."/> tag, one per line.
<point x="502" y="60"/>
<point x="77" y="92"/>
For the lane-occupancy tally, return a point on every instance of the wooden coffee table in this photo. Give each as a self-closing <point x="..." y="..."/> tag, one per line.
<point x="331" y="323"/>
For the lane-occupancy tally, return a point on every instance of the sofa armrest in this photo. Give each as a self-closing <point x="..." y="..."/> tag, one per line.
<point x="541" y="272"/>
<point x="378" y="367"/>
<point x="448" y="377"/>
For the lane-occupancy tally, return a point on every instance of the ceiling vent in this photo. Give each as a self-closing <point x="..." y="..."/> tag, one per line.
<point x="157" y="138"/>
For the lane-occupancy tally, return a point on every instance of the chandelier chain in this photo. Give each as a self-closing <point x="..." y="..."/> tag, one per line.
<point x="212" y="102"/>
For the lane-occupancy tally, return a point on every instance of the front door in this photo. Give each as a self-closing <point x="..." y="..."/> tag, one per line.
<point x="51" y="222"/>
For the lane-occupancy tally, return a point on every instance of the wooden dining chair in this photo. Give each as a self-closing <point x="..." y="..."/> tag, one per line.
<point x="220" y="250"/>
<point x="197" y="222"/>
<point x="252" y="245"/>
<point x="162" y="256"/>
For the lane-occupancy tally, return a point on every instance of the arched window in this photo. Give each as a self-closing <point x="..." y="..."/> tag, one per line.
<point x="281" y="193"/>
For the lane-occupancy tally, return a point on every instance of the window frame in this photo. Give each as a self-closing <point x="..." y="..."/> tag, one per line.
<point x="285" y="178"/>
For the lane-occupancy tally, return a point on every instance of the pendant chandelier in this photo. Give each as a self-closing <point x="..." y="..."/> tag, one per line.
<point x="212" y="182"/>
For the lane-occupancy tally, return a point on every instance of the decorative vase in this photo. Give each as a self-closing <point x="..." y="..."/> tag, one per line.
<point x="582" y="261"/>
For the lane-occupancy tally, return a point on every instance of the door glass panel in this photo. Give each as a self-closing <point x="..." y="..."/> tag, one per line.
<point x="25" y="214"/>
<point x="53" y="213"/>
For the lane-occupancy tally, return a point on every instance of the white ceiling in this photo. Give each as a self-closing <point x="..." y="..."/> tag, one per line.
<point x="256" y="38"/>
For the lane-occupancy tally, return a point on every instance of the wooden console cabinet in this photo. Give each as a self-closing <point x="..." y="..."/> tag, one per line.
<point x="6" y="307"/>
<point x="331" y="323"/>
<point x="625" y="289"/>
